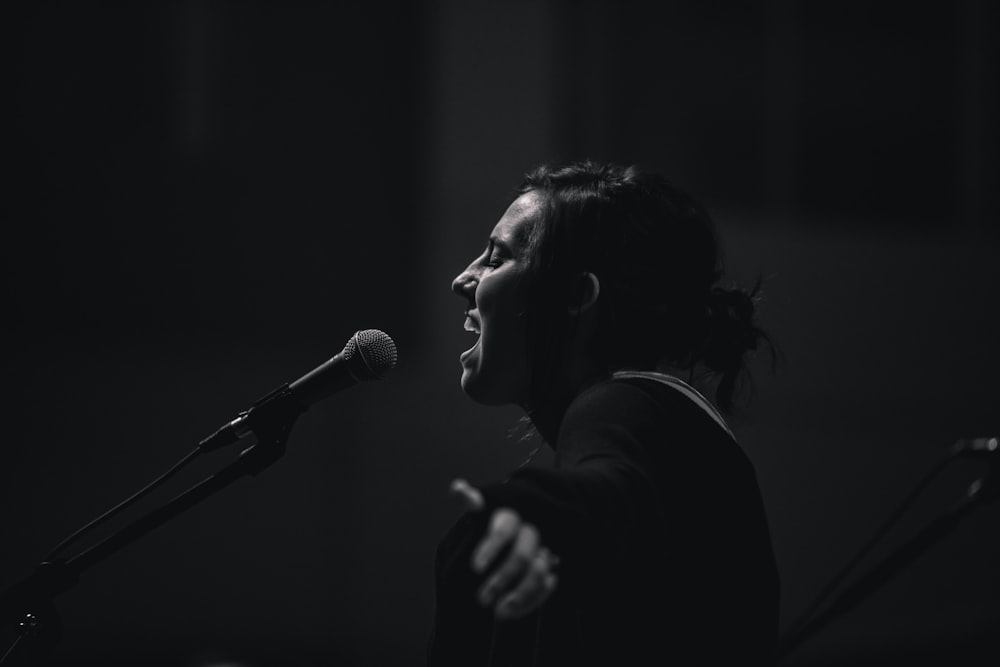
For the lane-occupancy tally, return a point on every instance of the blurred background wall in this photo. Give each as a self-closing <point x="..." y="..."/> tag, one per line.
<point x="205" y="199"/>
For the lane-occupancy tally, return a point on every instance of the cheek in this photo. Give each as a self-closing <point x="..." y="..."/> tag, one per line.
<point x="501" y="307"/>
<point x="504" y="341"/>
<point x="501" y="293"/>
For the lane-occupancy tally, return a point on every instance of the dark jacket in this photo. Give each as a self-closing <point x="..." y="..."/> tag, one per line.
<point x="657" y="518"/>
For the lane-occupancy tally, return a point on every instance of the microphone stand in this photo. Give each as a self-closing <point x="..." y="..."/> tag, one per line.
<point x="978" y="493"/>
<point x="28" y="604"/>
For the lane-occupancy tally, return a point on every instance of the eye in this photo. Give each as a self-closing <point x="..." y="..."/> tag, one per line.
<point x="494" y="257"/>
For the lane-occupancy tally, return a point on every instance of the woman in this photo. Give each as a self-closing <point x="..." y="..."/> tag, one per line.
<point x="647" y="542"/>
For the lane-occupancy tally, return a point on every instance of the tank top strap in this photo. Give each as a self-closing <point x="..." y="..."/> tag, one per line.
<point x="684" y="388"/>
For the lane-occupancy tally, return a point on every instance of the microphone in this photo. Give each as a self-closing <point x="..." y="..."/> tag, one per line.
<point x="368" y="355"/>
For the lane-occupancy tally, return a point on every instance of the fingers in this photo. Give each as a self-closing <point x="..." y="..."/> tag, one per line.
<point x="534" y="588"/>
<point x="470" y="496"/>
<point x="505" y="527"/>
<point x="526" y="578"/>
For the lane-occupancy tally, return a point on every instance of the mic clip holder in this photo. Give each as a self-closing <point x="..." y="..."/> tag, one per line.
<point x="270" y="419"/>
<point x="265" y="418"/>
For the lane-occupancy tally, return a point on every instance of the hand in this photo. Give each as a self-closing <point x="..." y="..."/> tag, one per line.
<point x="527" y="576"/>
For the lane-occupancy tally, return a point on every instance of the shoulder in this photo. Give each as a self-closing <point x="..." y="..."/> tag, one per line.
<point x="610" y="396"/>
<point x="610" y="401"/>
<point x="635" y="401"/>
<point x="646" y="416"/>
<point x="623" y="416"/>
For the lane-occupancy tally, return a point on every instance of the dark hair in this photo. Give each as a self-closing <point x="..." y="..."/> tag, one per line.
<point x="653" y="248"/>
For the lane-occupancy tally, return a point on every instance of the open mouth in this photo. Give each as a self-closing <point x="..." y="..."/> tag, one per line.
<point x="472" y="322"/>
<point x="472" y="325"/>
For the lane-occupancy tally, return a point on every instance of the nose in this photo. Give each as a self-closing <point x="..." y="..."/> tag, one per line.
<point x="464" y="283"/>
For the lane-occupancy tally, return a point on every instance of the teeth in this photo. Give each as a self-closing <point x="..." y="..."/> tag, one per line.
<point x="470" y="325"/>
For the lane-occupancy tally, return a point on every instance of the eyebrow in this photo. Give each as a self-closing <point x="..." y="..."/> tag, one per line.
<point x="495" y="240"/>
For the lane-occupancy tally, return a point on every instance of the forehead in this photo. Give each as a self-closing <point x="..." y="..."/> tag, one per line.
<point x="517" y="221"/>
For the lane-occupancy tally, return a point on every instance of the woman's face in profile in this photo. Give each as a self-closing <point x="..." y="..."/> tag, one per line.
<point x="495" y="369"/>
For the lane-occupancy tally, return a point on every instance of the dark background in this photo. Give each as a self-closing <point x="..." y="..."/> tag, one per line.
<point x="205" y="199"/>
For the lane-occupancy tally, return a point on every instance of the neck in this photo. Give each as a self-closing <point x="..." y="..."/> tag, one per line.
<point x="547" y="422"/>
<point x="578" y="368"/>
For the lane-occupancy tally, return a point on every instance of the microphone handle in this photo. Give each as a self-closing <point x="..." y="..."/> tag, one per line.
<point x="325" y="380"/>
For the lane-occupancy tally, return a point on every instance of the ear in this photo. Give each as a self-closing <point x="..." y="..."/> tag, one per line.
<point x="585" y="293"/>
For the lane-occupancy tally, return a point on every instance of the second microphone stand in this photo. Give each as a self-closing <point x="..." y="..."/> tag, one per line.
<point x="979" y="493"/>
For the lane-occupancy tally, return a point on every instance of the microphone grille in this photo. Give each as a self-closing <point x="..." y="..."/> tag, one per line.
<point x="376" y="350"/>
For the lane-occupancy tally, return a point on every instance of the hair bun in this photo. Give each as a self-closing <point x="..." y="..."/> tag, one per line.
<point x="732" y="333"/>
<point x="733" y="311"/>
